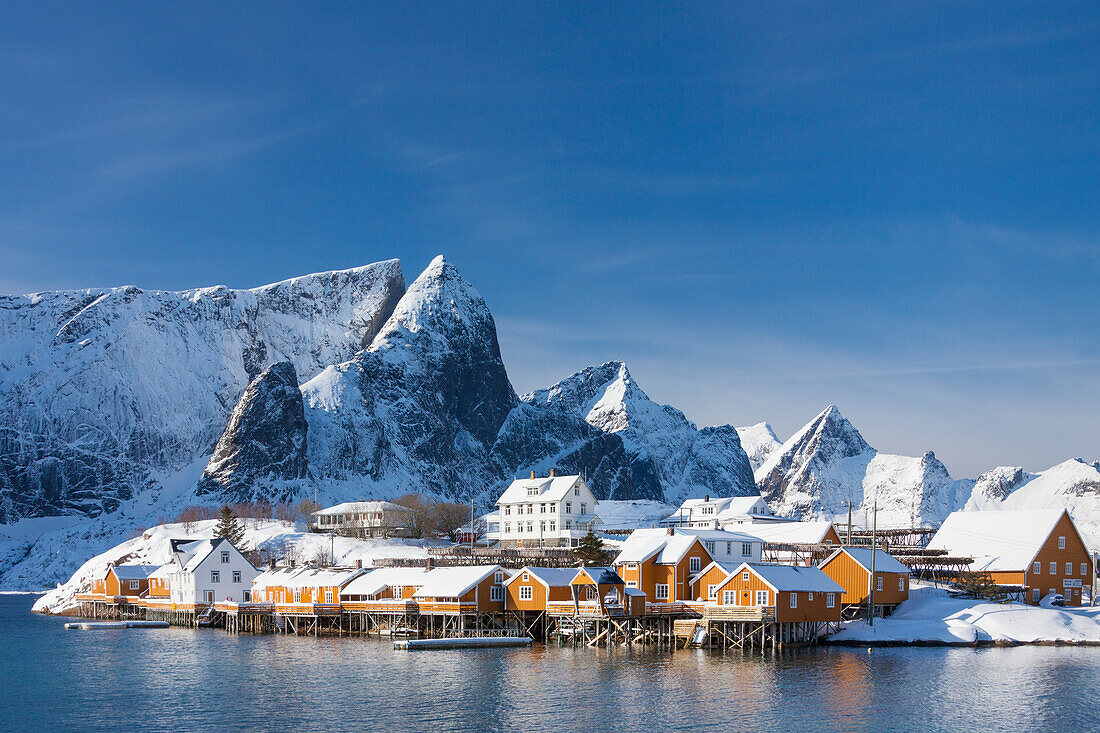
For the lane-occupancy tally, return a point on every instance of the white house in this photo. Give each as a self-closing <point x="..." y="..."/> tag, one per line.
<point x="716" y="512"/>
<point x="727" y="548"/>
<point x="361" y="519"/>
<point x="206" y="571"/>
<point x="556" y="511"/>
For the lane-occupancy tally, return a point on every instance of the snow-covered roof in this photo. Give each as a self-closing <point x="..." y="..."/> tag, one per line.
<point x="643" y="544"/>
<point x="884" y="561"/>
<point x="378" y="580"/>
<point x="359" y="507"/>
<point x="162" y="571"/>
<point x="792" y="577"/>
<point x="554" y="488"/>
<point x="600" y="575"/>
<point x="720" y="535"/>
<point x="453" y="582"/>
<point x="793" y="533"/>
<point x="134" y="572"/>
<point x="998" y="541"/>
<point x="550" y="577"/>
<point x="304" y="577"/>
<point x="191" y="554"/>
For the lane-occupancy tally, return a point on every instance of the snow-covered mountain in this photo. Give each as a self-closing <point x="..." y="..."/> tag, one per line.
<point x="104" y="391"/>
<point x="759" y="442"/>
<point x="600" y="420"/>
<point x="827" y="465"/>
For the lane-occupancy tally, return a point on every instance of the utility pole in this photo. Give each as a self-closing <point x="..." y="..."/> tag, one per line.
<point x="874" y="546"/>
<point x="849" y="524"/>
<point x="472" y="525"/>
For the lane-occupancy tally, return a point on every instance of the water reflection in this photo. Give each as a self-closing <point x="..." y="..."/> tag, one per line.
<point x="179" y="679"/>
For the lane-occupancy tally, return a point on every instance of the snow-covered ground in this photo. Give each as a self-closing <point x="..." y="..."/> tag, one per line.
<point x="932" y="616"/>
<point x="282" y="539"/>
<point x="632" y="514"/>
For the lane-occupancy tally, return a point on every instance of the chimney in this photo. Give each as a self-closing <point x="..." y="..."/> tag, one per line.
<point x="271" y="564"/>
<point x="670" y="531"/>
<point x="428" y="564"/>
<point x="706" y="497"/>
<point x="292" y="563"/>
<point x="359" y="564"/>
<point x="553" y="473"/>
<point x="532" y="474"/>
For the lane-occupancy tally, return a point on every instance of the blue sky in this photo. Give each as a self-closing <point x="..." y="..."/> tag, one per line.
<point x="763" y="209"/>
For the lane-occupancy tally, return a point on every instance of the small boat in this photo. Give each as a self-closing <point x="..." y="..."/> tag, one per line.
<point x="468" y="642"/>
<point x="106" y="625"/>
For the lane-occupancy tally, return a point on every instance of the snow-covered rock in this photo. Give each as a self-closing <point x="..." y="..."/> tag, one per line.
<point x="827" y="465"/>
<point x="759" y="442"/>
<point x="659" y="453"/>
<point x="262" y="453"/>
<point x="101" y="390"/>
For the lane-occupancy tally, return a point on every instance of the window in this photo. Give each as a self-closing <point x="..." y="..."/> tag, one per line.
<point x="1084" y="568"/>
<point x="762" y="598"/>
<point x="584" y="508"/>
<point x="134" y="585"/>
<point x="695" y="564"/>
<point x="1061" y="543"/>
<point x="794" y="599"/>
<point x="496" y="593"/>
<point x="542" y="509"/>
<point x="553" y="526"/>
<point x="729" y="597"/>
<point x="248" y="596"/>
<point x="236" y="576"/>
<point x="498" y="577"/>
<point x="297" y="595"/>
<point x="1069" y="568"/>
<point x="568" y="523"/>
<point x="568" y="507"/>
<point x="746" y="549"/>
<point x="662" y="592"/>
<point x="225" y="556"/>
<point x="712" y="592"/>
<point x="507" y="527"/>
<point x="215" y="576"/>
<point x="878" y="583"/>
<point x="533" y="491"/>
<point x="729" y="545"/>
<point x="526" y="593"/>
<point x="709" y="546"/>
<point x="901" y="583"/>
<point x="542" y="527"/>
<point x="328" y="596"/>
<point x="631" y="584"/>
<point x="1054" y="568"/>
<point x="553" y="507"/>
<point x="830" y="600"/>
<point x="708" y="510"/>
<point x="745" y="576"/>
<point x="576" y="491"/>
<point x="526" y="577"/>
<point x="810" y="597"/>
<point x="1037" y="568"/>
<point x="591" y="593"/>
<point x="507" y="512"/>
<point x="531" y="527"/>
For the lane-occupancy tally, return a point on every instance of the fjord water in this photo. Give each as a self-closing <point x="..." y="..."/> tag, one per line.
<point x="181" y="679"/>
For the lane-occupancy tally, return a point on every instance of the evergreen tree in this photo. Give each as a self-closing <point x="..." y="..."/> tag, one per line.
<point x="230" y="528"/>
<point x="590" y="550"/>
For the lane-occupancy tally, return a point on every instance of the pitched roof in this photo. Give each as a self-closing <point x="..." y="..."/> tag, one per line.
<point x="378" y="580"/>
<point x="134" y="572"/>
<point x="550" y="489"/>
<point x="884" y="561"/>
<point x="304" y="577"/>
<point x="600" y="575"/>
<point x="643" y="544"/>
<point x="550" y="577"/>
<point x="359" y="506"/>
<point x="794" y="533"/>
<point x="997" y="540"/>
<point x="720" y="535"/>
<point x="453" y="582"/>
<point x="791" y="577"/>
<point x="162" y="571"/>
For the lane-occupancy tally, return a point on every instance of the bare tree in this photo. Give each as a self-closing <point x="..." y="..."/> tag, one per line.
<point x="449" y="517"/>
<point x="418" y="517"/>
<point x="304" y="508"/>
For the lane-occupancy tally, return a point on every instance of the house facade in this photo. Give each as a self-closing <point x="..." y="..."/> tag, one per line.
<point x="1041" y="551"/>
<point x="786" y="593"/>
<point x="207" y="571"/>
<point x="661" y="562"/>
<point x="303" y="589"/>
<point x="361" y="519"/>
<point x="716" y="512"/>
<point x="556" y="511"/>
<point x="850" y="567"/>
<point x="462" y="590"/>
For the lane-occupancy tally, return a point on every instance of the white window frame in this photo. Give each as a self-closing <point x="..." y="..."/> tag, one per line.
<point x="810" y="597"/>
<point x="1037" y="568"/>
<point x="878" y="583"/>
<point x="794" y="599"/>
<point x="695" y="564"/>
<point x="1053" y="567"/>
<point x="901" y="583"/>
<point x="1069" y="568"/>
<point x="135" y="585"/>
<point x="496" y="593"/>
<point x="830" y="600"/>
<point x="328" y="596"/>
<point x="526" y="593"/>
<point x="661" y="591"/>
<point x="1035" y="595"/>
<point x="631" y="584"/>
<point x="746" y="549"/>
<point x="297" y="595"/>
<point x="1084" y="568"/>
<point x="225" y="557"/>
<point x="745" y="576"/>
<point x="247" y="596"/>
<point x="762" y="598"/>
<point x="729" y="598"/>
<point x="498" y="577"/>
<point x="1061" y="543"/>
<point x="712" y="592"/>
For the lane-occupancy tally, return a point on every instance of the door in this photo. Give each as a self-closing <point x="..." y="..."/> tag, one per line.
<point x="208" y="597"/>
<point x="746" y="598"/>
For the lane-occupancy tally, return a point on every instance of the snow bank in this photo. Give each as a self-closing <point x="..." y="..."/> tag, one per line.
<point x="932" y="616"/>
<point x="284" y="539"/>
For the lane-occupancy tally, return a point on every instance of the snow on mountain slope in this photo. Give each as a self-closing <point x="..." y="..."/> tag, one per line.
<point x="101" y="388"/>
<point x="991" y="488"/>
<point x="1072" y="485"/>
<point x="759" y="442"/>
<point x="420" y="408"/>
<point x="827" y="464"/>
<point x="667" y="457"/>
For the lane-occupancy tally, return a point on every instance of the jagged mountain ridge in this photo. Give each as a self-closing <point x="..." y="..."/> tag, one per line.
<point x="104" y="391"/>
<point x="827" y="465"/>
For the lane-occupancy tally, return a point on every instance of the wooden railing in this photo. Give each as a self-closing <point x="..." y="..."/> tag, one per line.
<point x="739" y="613"/>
